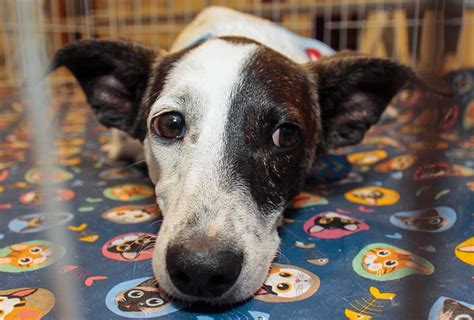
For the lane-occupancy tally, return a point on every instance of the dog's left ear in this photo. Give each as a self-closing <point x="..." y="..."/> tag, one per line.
<point x="113" y="75"/>
<point x="354" y="90"/>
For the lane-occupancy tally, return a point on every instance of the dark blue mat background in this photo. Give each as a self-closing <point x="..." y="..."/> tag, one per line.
<point x="340" y="284"/>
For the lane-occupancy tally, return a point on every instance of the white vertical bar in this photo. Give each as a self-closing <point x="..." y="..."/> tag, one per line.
<point x="416" y="24"/>
<point x="343" y="29"/>
<point x="171" y="19"/>
<point x="111" y="9"/>
<point x="41" y="122"/>
<point x="274" y="12"/>
<point x="314" y="16"/>
<point x="137" y="20"/>
<point x="327" y="20"/>
<point x="88" y="19"/>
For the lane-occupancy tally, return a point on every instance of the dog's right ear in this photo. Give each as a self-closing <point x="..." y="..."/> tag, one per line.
<point x="113" y="75"/>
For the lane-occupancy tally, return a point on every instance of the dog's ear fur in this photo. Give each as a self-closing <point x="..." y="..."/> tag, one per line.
<point x="113" y="75"/>
<point x="354" y="90"/>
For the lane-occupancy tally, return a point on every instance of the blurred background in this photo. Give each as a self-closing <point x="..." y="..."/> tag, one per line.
<point x="434" y="35"/>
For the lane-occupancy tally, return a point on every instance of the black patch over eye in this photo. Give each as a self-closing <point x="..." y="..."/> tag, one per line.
<point x="170" y="125"/>
<point x="286" y="135"/>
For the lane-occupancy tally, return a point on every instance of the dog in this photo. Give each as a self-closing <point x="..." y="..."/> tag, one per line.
<point x="228" y="121"/>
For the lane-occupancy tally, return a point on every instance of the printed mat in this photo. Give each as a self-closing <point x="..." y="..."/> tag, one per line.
<point x="382" y="230"/>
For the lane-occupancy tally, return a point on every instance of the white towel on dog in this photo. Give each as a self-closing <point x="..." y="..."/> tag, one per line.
<point x="219" y="21"/>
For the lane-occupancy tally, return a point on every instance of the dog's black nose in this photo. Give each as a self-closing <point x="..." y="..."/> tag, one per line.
<point x="199" y="268"/>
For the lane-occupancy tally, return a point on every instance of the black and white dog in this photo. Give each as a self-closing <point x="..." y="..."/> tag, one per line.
<point x="229" y="125"/>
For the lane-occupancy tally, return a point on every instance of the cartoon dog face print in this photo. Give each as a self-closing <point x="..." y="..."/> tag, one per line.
<point x="140" y="298"/>
<point x="120" y="174"/>
<point x="36" y="197"/>
<point x="25" y="303"/>
<point x="58" y="175"/>
<point x="435" y="219"/>
<point x="35" y="222"/>
<point x="132" y="214"/>
<point x="129" y="192"/>
<point x="287" y="283"/>
<point x="465" y="251"/>
<point x="382" y="262"/>
<point x="450" y="309"/>
<point x="397" y="163"/>
<point x="29" y="256"/>
<point x="332" y="225"/>
<point x="367" y="158"/>
<point x="305" y="200"/>
<point x="130" y="247"/>
<point x="373" y="196"/>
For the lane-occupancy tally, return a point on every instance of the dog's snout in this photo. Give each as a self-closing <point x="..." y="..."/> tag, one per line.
<point x="201" y="269"/>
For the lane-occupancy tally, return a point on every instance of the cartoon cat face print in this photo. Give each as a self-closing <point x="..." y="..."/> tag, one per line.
<point x="380" y="261"/>
<point x="450" y="309"/>
<point x="131" y="214"/>
<point x="288" y="283"/>
<point x="331" y="225"/>
<point x="27" y="255"/>
<point x="25" y="303"/>
<point x="430" y="220"/>
<point x="144" y="298"/>
<point x="140" y="298"/>
<point x="130" y="247"/>
<point x="12" y="301"/>
<point x="453" y="309"/>
<point x="437" y="219"/>
<point x="128" y="192"/>
<point x="36" y="222"/>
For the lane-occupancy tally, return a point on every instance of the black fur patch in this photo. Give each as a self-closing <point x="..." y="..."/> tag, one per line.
<point x="113" y="75"/>
<point x="272" y="90"/>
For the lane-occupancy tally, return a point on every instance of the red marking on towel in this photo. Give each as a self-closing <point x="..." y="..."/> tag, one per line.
<point x="365" y="210"/>
<point x="5" y="206"/>
<point x="339" y="210"/>
<point x="90" y="280"/>
<point x="313" y="54"/>
<point x="4" y="175"/>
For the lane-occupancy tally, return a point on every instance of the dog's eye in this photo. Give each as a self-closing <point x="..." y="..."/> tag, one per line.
<point x="170" y="125"/>
<point x="285" y="136"/>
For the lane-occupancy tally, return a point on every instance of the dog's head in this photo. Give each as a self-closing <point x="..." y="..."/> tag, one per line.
<point x="229" y="128"/>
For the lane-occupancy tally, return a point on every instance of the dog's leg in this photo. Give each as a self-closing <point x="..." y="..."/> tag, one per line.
<point x="123" y="147"/>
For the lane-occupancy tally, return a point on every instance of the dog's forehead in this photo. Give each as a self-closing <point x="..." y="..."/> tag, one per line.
<point x="207" y="72"/>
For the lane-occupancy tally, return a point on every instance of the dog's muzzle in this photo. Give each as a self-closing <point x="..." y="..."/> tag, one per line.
<point x="203" y="268"/>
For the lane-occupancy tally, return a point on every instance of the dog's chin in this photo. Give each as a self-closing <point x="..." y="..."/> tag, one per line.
<point x="245" y="287"/>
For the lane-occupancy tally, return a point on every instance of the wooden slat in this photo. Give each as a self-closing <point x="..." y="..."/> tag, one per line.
<point x="371" y="40"/>
<point x="400" y="32"/>
<point x="432" y="42"/>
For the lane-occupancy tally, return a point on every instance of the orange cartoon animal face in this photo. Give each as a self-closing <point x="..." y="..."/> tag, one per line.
<point x="128" y="192"/>
<point x="381" y="261"/>
<point x="25" y="255"/>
